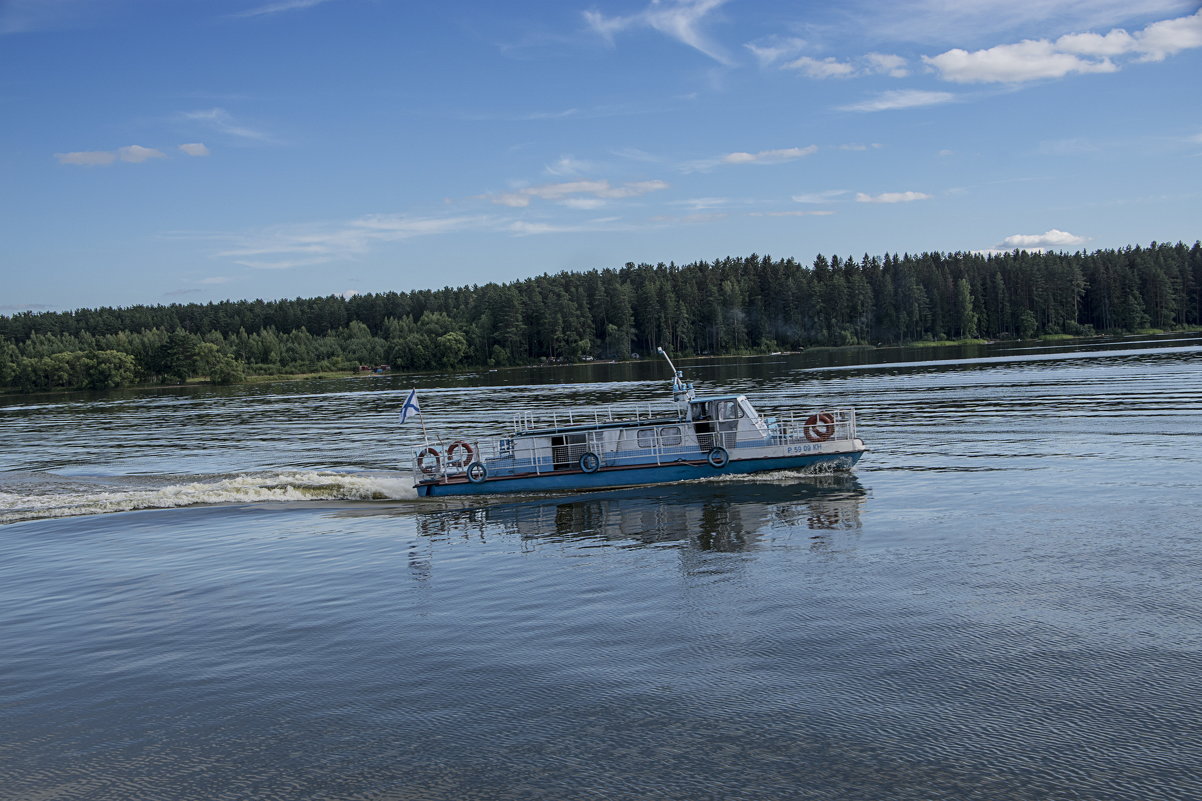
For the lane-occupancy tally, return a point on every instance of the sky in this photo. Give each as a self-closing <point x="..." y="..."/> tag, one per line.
<point x="177" y="151"/>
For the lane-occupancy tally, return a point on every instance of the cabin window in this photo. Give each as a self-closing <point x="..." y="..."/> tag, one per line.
<point x="729" y="410"/>
<point x="646" y="437"/>
<point x="669" y="436"/>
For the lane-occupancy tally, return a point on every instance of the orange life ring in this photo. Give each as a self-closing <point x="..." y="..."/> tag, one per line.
<point x="460" y="462"/>
<point x="428" y="469"/>
<point x="820" y="427"/>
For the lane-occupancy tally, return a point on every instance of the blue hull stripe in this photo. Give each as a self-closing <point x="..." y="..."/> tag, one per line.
<point x="629" y="477"/>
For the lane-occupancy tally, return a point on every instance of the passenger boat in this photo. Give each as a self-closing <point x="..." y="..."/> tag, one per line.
<point x="695" y="437"/>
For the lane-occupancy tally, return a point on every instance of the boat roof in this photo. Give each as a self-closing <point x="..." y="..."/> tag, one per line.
<point x="583" y="427"/>
<point x="703" y="398"/>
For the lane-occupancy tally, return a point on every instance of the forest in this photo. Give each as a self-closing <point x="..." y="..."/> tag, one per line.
<point x="732" y="305"/>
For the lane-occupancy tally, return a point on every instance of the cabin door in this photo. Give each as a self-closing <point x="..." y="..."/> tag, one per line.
<point x="566" y="450"/>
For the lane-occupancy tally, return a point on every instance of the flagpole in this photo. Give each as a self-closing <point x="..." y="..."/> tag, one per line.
<point x="422" y="417"/>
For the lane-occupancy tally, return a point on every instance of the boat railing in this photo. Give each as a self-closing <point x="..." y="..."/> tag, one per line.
<point x="555" y="419"/>
<point x="813" y="427"/>
<point x="523" y="455"/>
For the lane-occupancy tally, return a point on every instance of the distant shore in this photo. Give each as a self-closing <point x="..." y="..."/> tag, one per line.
<point x="324" y="375"/>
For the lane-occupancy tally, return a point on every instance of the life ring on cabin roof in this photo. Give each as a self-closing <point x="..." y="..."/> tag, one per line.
<point x="820" y="427"/>
<point x="432" y="455"/>
<point x="460" y="461"/>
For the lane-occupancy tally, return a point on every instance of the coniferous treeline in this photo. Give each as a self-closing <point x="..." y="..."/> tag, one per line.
<point x="725" y="306"/>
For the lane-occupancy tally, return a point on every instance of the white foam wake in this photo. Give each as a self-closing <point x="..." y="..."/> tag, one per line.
<point x="247" y="488"/>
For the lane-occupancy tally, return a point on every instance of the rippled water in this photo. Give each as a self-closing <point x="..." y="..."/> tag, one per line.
<point x="1002" y="602"/>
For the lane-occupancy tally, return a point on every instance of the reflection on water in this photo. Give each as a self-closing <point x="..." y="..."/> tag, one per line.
<point x="708" y="516"/>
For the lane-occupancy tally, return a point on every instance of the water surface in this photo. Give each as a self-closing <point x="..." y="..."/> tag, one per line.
<point x="1001" y="602"/>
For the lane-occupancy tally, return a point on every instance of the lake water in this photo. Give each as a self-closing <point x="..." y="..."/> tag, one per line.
<point x="1003" y="601"/>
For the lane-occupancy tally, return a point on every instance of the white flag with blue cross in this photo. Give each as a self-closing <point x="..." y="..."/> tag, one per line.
<point x="410" y="408"/>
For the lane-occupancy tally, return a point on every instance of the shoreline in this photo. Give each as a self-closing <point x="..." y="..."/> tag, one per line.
<point x="324" y="375"/>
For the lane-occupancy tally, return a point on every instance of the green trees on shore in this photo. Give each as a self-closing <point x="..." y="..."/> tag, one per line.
<point x="725" y="306"/>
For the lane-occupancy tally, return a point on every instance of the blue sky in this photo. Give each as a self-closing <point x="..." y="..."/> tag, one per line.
<point x="159" y="151"/>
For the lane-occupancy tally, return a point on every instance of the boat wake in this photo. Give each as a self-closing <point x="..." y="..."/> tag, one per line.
<point x="56" y="496"/>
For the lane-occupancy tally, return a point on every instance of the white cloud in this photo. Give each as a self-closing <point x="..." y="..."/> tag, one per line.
<point x="87" y="158"/>
<point x="770" y="156"/>
<point x="775" y="49"/>
<point x="901" y="98"/>
<point x="1029" y="60"/>
<point x="1114" y="43"/>
<point x="136" y="153"/>
<point x="1165" y="38"/>
<point x="221" y="121"/>
<point x="1036" y="59"/>
<point x="194" y="149"/>
<point x="679" y="20"/>
<point x="566" y="193"/>
<point x="820" y="197"/>
<point x="826" y="68"/>
<point x="1048" y="240"/>
<point x="892" y="197"/>
<point x="216" y="279"/>
<point x="870" y="64"/>
<point x="884" y="64"/>
<point x="779" y="156"/>
<point x="132" y="154"/>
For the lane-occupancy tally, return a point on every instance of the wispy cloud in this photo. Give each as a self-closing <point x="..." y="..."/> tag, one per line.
<point x="899" y="99"/>
<point x="286" y="247"/>
<point x="892" y="197"/>
<point x="824" y="68"/>
<point x="770" y="51"/>
<point x="222" y="122"/>
<point x="820" y="197"/>
<point x="568" y="165"/>
<point x="770" y="156"/>
<point x="572" y="193"/>
<point x="27" y="16"/>
<point x="276" y="8"/>
<point x="131" y="154"/>
<point x="17" y="307"/>
<point x="194" y="149"/>
<point x="87" y="158"/>
<point x="778" y="156"/>
<point x="822" y="213"/>
<point x="1039" y="59"/>
<point x="679" y="20"/>
<point x="970" y="20"/>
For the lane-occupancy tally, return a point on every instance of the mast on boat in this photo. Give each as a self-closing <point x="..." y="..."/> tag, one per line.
<point x="680" y="389"/>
